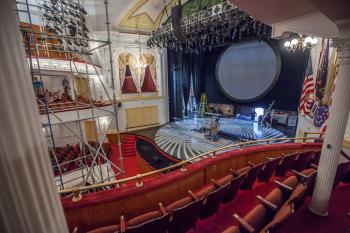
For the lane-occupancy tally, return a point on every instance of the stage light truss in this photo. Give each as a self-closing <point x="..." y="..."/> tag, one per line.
<point x="205" y="29"/>
<point x="79" y="61"/>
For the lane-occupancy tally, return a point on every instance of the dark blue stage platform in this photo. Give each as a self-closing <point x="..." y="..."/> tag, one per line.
<point x="181" y="141"/>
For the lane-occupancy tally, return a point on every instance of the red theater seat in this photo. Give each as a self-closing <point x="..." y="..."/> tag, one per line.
<point x="342" y="172"/>
<point x="316" y="158"/>
<point x="233" y="187"/>
<point x="212" y="200"/>
<point x="184" y="218"/>
<point x="280" y="220"/>
<point x="255" y="220"/>
<point x="285" y="165"/>
<point x="107" y="229"/>
<point x="276" y="208"/>
<point x="252" y="174"/>
<point x="269" y="168"/>
<point x="155" y="221"/>
<point x="302" y="161"/>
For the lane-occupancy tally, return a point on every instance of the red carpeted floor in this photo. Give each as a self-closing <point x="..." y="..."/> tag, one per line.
<point x="131" y="167"/>
<point x="303" y="220"/>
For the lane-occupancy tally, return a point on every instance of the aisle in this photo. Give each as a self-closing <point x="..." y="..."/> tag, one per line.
<point x="131" y="167"/>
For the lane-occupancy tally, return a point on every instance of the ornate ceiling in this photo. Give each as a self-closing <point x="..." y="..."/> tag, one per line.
<point x="146" y="14"/>
<point x="129" y="15"/>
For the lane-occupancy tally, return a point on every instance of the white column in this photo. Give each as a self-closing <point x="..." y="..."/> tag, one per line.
<point x="29" y="201"/>
<point x="334" y="137"/>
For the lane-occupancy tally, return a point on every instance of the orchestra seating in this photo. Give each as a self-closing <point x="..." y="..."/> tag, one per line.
<point x="268" y="216"/>
<point x="69" y="157"/>
<point x="62" y="106"/>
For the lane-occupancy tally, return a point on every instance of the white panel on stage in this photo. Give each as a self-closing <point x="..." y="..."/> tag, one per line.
<point x="247" y="71"/>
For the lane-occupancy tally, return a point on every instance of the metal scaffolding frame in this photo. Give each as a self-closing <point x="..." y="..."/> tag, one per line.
<point x="24" y="7"/>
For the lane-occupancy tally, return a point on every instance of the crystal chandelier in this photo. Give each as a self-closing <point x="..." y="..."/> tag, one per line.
<point x="300" y="43"/>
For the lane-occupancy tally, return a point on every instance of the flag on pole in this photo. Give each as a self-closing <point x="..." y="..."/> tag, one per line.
<point x="306" y="100"/>
<point x="321" y="78"/>
<point x="324" y="126"/>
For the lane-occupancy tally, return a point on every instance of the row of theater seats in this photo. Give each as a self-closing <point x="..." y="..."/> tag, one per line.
<point x="70" y="157"/>
<point x="69" y="105"/>
<point x="271" y="215"/>
<point x="181" y="216"/>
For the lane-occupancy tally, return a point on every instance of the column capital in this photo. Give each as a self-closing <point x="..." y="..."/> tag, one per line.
<point x="343" y="48"/>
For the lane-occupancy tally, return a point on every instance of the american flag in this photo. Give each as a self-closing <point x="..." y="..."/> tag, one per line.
<point x="308" y="89"/>
<point x="321" y="115"/>
<point x="321" y="78"/>
<point x="324" y="126"/>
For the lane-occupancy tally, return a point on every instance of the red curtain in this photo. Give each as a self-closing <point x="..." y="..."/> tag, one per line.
<point x="128" y="84"/>
<point x="148" y="84"/>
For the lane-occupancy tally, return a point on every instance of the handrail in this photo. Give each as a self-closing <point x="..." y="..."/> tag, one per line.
<point x="138" y="177"/>
<point x="318" y="133"/>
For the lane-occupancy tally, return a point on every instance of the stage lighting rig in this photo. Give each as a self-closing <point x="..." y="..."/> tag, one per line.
<point x="209" y="27"/>
<point x="66" y="19"/>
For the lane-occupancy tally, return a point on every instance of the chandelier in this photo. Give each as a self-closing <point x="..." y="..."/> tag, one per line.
<point x="300" y="43"/>
<point x="206" y="28"/>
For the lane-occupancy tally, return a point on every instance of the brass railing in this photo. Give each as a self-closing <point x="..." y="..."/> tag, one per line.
<point x="138" y="178"/>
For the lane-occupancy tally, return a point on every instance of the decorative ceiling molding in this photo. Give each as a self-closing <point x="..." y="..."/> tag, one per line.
<point x="144" y="16"/>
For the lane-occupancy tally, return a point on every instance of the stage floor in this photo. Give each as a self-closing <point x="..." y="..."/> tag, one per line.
<point x="179" y="140"/>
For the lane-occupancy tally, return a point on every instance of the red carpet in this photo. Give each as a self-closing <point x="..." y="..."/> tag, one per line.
<point x="131" y="167"/>
<point x="302" y="222"/>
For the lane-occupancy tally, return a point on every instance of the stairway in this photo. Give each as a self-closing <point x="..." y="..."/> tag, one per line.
<point x="129" y="146"/>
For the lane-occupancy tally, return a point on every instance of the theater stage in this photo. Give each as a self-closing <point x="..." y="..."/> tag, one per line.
<point x="179" y="140"/>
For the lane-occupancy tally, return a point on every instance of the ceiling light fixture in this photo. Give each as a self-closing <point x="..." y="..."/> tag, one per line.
<point x="300" y="43"/>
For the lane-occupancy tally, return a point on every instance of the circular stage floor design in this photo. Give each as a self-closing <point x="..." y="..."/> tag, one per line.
<point x="179" y="140"/>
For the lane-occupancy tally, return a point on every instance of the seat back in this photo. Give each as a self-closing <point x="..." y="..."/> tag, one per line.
<point x="346" y="178"/>
<point x="285" y="165"/>
<point x="280" y="220"/>
<point x="269" y="169"/>
<point x="316" y="158"/>
<point x="233" y="188"/>
<point x="212" y="201"/>
<point x="157" y="225"/>
<point x="252" y="175"/>
<point x="184" y="218"/>
<point x="342" y="171"/>
<point x="277" y="197"/>
<point x="310" y="182"/>
<point x="302" y="161"/>
<point x="298" y="195"/>
<point x="106" y="229"/>
<point x="258" y="217"/>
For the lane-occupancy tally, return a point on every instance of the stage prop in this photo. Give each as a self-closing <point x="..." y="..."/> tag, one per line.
<point x="222" y="109"/>
<point x="185" y="139"/>
<point x="247" y="71"/>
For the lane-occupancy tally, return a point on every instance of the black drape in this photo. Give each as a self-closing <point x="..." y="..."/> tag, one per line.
<point x="196" y="64"/>
<point x="175" y="85"/>
<point x="186" y="78"/>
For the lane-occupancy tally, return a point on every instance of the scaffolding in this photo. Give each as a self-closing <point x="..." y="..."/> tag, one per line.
<point x="94" y="166"/>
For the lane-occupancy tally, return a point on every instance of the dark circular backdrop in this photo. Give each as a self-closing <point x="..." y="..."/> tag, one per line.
<point x="246" y="71"/>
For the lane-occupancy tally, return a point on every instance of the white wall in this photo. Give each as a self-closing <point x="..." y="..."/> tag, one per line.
<point x="120" y="43"/>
